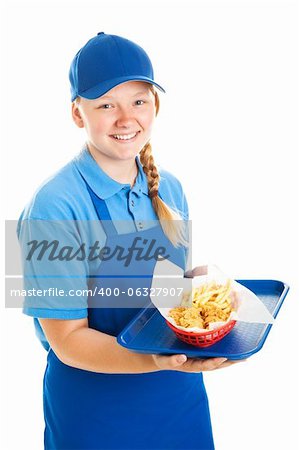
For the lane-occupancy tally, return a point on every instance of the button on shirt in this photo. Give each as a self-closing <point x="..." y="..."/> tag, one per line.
<point x="64" y="200"/>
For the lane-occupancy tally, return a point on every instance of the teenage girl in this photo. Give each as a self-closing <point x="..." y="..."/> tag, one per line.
<point x="97" y="394"/>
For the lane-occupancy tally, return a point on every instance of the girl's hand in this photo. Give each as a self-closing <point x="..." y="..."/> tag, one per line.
<point x="198" y="270"/>
<point x="184" y="364"/>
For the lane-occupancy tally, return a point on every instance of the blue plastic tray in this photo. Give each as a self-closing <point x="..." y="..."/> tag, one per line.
<point x="148" y="332"/>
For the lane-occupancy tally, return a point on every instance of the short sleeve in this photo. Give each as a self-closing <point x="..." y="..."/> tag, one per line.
<point x="54" y="268"/>
<point x="185" y="207"/>
<point x="173" y="194"/>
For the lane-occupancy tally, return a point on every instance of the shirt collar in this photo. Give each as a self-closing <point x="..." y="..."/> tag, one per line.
<point x="101" y="183"/>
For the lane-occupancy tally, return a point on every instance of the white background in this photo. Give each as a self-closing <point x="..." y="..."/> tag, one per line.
<point x="228" y="128"/>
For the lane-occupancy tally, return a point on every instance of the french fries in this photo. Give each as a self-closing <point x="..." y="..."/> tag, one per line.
<point x="211" y="302"/>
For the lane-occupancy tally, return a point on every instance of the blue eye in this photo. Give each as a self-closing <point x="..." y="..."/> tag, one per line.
<point x="104" y="106"/>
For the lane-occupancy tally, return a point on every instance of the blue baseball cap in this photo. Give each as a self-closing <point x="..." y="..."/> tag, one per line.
<point x="104" y="62"/>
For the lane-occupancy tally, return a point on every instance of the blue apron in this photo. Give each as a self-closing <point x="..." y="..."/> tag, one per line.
<point x="158" y="410"/>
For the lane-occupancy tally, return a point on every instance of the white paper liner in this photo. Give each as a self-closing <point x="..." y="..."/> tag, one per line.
<point x="248" y="307"/>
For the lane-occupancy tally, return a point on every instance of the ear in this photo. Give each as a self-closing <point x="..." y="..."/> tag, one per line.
<point x="76" y="115"/>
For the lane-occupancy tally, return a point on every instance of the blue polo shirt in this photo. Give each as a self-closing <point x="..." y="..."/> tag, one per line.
<point x="62" y="208"/>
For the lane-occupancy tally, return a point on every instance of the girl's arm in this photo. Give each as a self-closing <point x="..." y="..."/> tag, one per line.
<point x="79" y="346"/>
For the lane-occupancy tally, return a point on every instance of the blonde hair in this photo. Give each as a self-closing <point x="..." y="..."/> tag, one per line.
<point x="171" y="221"/>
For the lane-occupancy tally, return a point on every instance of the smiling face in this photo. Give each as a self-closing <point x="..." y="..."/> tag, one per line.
<point x="119" y="123"/>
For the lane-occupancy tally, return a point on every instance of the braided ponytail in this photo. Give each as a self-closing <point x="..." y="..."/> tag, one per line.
<point x="171" y="222"/>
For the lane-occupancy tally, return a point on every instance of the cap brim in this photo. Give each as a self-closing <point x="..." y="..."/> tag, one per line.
<point x="104" y="87"/>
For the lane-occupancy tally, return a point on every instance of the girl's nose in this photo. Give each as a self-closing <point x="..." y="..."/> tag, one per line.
<point x="125" y="118"/>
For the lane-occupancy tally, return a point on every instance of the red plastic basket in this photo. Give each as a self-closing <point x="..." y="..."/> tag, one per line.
<point x="203" y="339"/>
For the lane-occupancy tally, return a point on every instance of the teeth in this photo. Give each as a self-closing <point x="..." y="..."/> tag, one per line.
<point x="124" y="136"/>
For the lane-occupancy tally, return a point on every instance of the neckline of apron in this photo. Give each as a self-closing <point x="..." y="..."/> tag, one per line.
<point x="105" y="218"/>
